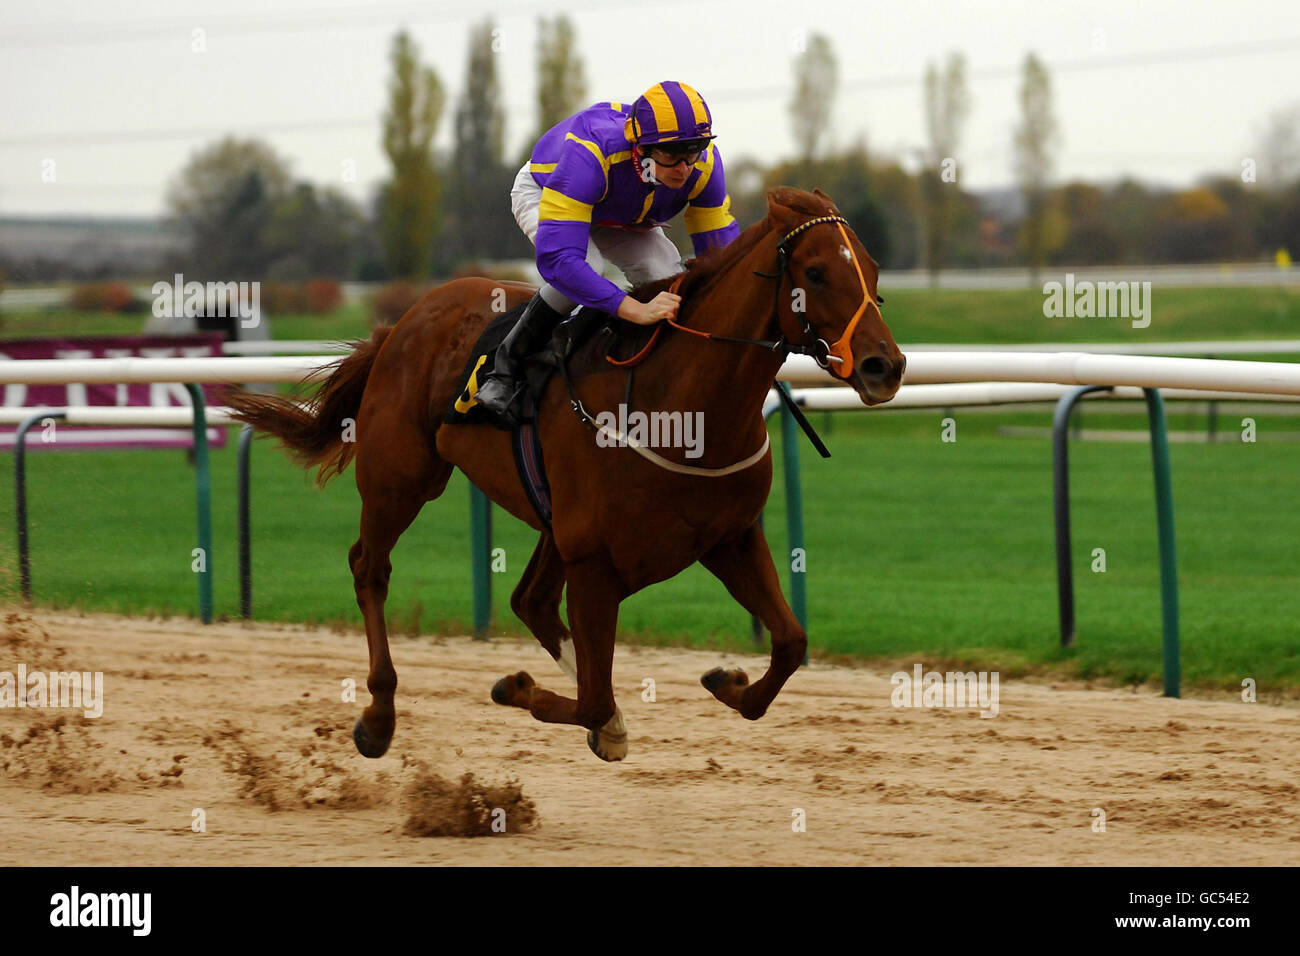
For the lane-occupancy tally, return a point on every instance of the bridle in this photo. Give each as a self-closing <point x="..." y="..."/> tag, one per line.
<point x="841" y="353"/>
<point x="823" y="353"/>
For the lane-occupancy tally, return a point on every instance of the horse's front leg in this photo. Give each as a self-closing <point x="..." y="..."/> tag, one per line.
<point x="594" y="595"/>
<point x="536" y="601"/>
<point x="744" y="564"/>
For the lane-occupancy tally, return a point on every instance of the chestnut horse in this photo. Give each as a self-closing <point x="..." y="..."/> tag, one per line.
<point x="621" y="520"/>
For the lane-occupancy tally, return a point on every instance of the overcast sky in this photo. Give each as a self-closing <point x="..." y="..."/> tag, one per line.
<point x="114" y="94"/>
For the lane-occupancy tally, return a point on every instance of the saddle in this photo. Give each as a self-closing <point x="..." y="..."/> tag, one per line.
<point x="589" y="342"/>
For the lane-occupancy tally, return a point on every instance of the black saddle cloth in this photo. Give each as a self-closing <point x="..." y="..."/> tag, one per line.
<point x="569" y="335"/>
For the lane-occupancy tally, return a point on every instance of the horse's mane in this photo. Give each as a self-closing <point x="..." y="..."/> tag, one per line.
<point x="714" y="261"/>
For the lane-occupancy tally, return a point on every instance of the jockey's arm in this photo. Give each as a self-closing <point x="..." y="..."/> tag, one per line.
<point x="564" y="229"/>
<point x="708" y="208"/>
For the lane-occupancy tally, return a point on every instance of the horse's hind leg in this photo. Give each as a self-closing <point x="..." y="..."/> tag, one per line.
<point x="744" y="565"/>
<point x="395" y="479"/>
<point x="536" y="598"/>
<point x="536" y="601"/>
<point x="594" y="596"/>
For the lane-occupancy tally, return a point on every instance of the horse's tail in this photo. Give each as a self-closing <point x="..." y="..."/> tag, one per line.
<point x="314" y="434"/>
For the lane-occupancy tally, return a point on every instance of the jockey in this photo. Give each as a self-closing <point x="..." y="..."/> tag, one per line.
<point x="600" y="185"/>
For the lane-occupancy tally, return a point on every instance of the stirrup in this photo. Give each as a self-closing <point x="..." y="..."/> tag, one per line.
<point x="502" y="412"/>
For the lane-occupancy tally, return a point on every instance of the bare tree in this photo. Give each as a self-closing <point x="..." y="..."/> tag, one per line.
<point x="1035" y="141"/>
<point x="481" y="219"/>
<point x="816" y="76"/>
<point x="561" y="80"/>
<point x="223" y="201"/>
<point x="947" y="106"/>
<point x="1279" y="148"/>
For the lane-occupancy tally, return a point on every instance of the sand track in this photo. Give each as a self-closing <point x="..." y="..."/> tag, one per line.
<point x="247" y="724"/>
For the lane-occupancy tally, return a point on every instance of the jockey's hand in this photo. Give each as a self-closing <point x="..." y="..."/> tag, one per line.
<point x="662" y="306"/>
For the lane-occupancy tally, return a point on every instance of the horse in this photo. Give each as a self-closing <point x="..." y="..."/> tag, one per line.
<point x="622" y="520"/>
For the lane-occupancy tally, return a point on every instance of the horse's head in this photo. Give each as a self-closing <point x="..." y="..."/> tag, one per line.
<point x="833" y="299"/>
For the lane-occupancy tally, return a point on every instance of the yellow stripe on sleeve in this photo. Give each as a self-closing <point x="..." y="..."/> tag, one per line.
<point x="595" y="151"/>
<point x="706" y="170"/>
<point x="707" y="218"/>
<point x="557" y="206"/>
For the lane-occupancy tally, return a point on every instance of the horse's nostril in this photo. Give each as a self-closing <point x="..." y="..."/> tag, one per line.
<point x="874" y="367"/>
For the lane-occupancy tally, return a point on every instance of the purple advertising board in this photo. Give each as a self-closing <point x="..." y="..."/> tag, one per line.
<point x="157" y="395"/>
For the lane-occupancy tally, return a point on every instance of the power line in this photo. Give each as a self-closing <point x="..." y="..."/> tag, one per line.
<point x="105" y="32"/>
<point x="1099" y="62"/>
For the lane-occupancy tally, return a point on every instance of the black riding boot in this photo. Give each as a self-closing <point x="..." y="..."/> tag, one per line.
<point x="530" y="333"/>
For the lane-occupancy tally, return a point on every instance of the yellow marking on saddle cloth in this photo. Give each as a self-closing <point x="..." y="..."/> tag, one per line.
<point x="469" y="397"/>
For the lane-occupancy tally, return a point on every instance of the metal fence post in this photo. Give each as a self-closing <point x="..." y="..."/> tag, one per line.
<point x="245" y="520"/>
<point x="1168" y="554"/>
<point x="20" y="494"/>
<point x="1061" y="502"/>
<point x="203" y="488"/>
<point x="794" y="514"/>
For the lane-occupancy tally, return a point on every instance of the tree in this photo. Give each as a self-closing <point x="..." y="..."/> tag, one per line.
<point x="1091" y="237"/>
<point x="561" y="80"/>
<point x="816" y="76"/>
<point x="313" y="233"/>
<point x="947" y="105"/>
<point x="409" y="219"/>
<point x="1035" y="141"/>
<point x="1279" y="149"/>
<point x="222" y="202"/>
<point x="1194" y="225"/>
<point x="480" y="224"/>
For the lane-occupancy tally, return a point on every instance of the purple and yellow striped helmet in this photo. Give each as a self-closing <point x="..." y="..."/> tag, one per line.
<point x="669" y="112"/>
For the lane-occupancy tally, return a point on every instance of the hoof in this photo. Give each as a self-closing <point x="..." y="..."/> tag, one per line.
<point x="606" y="746"/>
<point x="507" y="690"/>
<point x="718" y="679"/>
<point x="368" y="745"/>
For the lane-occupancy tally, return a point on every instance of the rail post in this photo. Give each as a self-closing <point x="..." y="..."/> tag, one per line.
<point x="20" y="494"/>
<point x="1061" y="501"/>
<point x="794" y="513"/>
<point x="203" y="493"/>
<point x="1165" y="526"/>
<point x="245" y="537"/>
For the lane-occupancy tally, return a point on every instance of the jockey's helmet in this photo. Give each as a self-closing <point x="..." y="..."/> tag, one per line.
<point x="669" y="112"/>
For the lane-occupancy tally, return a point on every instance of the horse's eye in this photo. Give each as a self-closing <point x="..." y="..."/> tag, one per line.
<point x="880" y="300"/>
<point x="815" y="275"/>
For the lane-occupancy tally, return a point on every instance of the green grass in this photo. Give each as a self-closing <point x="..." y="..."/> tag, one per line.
<point x="993" y="317"/>
<point x="915" y="316"/>
<point x="917" y="549"/>
<point x="350" y="321"/>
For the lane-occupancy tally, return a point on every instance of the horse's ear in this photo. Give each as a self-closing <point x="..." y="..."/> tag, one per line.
<point x="780" y="210"/>
<point x="830" y="203"/>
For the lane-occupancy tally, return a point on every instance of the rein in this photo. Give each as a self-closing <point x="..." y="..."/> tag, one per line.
<point x="823" y="353"/>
